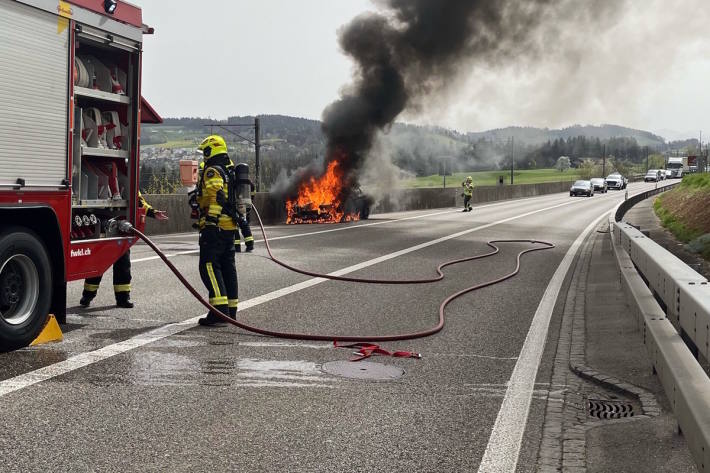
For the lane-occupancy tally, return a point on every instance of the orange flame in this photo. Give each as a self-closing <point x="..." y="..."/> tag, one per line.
<point x="319" y="201"/>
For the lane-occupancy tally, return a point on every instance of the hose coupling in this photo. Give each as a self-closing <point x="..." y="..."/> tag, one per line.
<point x="118" y="227"/>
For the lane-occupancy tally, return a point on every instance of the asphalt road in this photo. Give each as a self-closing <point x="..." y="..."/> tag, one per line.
<point x="148" y="390"/>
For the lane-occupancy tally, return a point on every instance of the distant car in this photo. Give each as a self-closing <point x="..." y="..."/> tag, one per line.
<point x="581" y="188"/>
<point x="652" y="175"/>
<point x="599" y="184"/>
<point x="616" y="181"/>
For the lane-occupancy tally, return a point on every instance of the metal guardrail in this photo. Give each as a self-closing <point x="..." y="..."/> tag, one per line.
<point x="649" y="272"/>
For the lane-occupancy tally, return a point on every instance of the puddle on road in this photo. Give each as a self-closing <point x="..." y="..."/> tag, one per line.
<point x="121" y="334"/>
<point x="29" y="359"/>
<point x="157" y="368"/>
<point x="175" y="343"/>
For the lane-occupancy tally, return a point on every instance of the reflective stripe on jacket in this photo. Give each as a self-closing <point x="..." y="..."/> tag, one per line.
<point x="211" y="184"/>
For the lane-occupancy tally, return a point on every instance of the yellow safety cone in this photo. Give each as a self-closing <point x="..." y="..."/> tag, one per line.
<point x="50" y="333"/>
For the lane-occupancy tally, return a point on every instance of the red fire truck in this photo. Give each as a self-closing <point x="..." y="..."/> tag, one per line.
<point x="70" y="113"/>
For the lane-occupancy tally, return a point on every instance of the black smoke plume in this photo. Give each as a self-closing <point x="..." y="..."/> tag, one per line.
<point x="413" y="48"/>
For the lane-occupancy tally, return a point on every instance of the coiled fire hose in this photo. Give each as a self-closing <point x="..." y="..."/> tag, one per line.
<point x="361" y="339"/>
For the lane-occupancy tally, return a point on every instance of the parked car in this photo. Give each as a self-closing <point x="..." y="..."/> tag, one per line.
<point x="599" y="184"/>
<point x="581" y="188"/>
<point x="616" y="181"/>
<point x="652" y="175"/>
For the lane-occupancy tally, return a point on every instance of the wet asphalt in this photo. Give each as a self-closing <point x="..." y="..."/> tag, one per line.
<point x="223" y="399"/>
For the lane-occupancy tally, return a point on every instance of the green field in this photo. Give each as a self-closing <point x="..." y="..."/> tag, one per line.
<point x="490" y="178"/>
<point x="174" y="144"/>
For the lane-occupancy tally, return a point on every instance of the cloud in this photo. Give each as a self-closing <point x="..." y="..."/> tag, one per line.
<point x="625" y="62"/>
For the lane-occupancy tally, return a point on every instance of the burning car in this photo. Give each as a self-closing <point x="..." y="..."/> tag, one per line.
<point x="328" y="199"/>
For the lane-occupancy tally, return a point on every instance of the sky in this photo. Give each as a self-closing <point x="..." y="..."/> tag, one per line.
<point x="638" y="63"/>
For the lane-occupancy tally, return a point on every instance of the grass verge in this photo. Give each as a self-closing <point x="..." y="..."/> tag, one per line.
<point x="685" y="212"/>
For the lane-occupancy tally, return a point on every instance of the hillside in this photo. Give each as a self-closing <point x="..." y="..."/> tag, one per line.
<point x="537" y="136"/>
<point x="289" y="143"/>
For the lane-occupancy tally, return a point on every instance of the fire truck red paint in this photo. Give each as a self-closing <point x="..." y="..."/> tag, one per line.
<point x="125" y="12"/>
<point x="69" y="158"/>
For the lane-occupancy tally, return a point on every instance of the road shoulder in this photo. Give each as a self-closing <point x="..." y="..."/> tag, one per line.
<point x="601" y="361"/>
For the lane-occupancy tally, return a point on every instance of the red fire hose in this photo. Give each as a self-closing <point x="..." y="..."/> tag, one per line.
<point x="363" y="338"/>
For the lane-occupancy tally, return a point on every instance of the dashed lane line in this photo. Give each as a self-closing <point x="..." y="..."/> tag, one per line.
<point x="339" y="229"/>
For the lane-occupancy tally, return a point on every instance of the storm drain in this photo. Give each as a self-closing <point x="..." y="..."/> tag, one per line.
<point x="363" y="370"/>
<point x="606" y="409"/>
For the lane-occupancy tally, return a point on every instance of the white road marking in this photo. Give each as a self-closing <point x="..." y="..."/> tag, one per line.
<point x="503" y="449"/>
<point x="330" y="230"/>
<point x="298" y="235"/>
<point x="85" y="359"/>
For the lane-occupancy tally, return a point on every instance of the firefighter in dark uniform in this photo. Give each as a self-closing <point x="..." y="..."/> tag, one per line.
<point x="121" y="269"/>
<point x="217" y="225"/>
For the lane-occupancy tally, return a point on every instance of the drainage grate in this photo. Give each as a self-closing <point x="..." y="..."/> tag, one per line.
<point x="605" y="409"/>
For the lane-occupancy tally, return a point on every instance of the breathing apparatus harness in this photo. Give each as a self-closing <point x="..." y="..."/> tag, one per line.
<point x="230" y="202"/>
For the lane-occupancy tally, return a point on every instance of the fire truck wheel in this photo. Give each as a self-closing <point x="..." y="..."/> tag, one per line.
<point x="25" y="287"/>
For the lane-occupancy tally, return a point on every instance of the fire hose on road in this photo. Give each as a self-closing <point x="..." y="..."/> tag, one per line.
<point x="362" y="341"/>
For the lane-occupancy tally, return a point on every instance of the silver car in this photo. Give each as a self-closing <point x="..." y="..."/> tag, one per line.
<point x="616" y="181"/>
<point x="652" y="175"/>
<point x="582" y="188"/>
<point x="599" y="184"/>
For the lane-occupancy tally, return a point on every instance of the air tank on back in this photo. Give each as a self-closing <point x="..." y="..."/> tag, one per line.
<point x="243" y="188"/>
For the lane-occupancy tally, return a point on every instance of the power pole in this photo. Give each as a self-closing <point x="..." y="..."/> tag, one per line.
<point x="444" y="173"/>
<point x="646" y="147"/>
<point x="604" y="162"/>
<point x="512" y="158"/>
<point x="257" y="149"/>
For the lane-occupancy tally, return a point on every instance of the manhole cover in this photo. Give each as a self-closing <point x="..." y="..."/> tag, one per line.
<point x="605" y="409"/>
<point x="362" y="370"/>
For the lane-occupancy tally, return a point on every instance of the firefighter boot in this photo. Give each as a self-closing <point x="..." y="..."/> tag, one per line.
<point x="212" y="320"/>
<point x="89" y="293"/>
<point x="86" y="299"/>
<point x="250" y="246"/>
<point x="233" y="313"/>
<point x="123" y="300"/>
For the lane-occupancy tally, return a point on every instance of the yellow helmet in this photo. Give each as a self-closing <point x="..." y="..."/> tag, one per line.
<point x="212" y="146"/>
<point x="469" y="178"/>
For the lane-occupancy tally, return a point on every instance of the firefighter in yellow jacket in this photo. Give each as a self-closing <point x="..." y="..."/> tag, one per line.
<point x="217" y="225"/>
<point x="121" y="269"/>
<point x="467" y="193"/>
